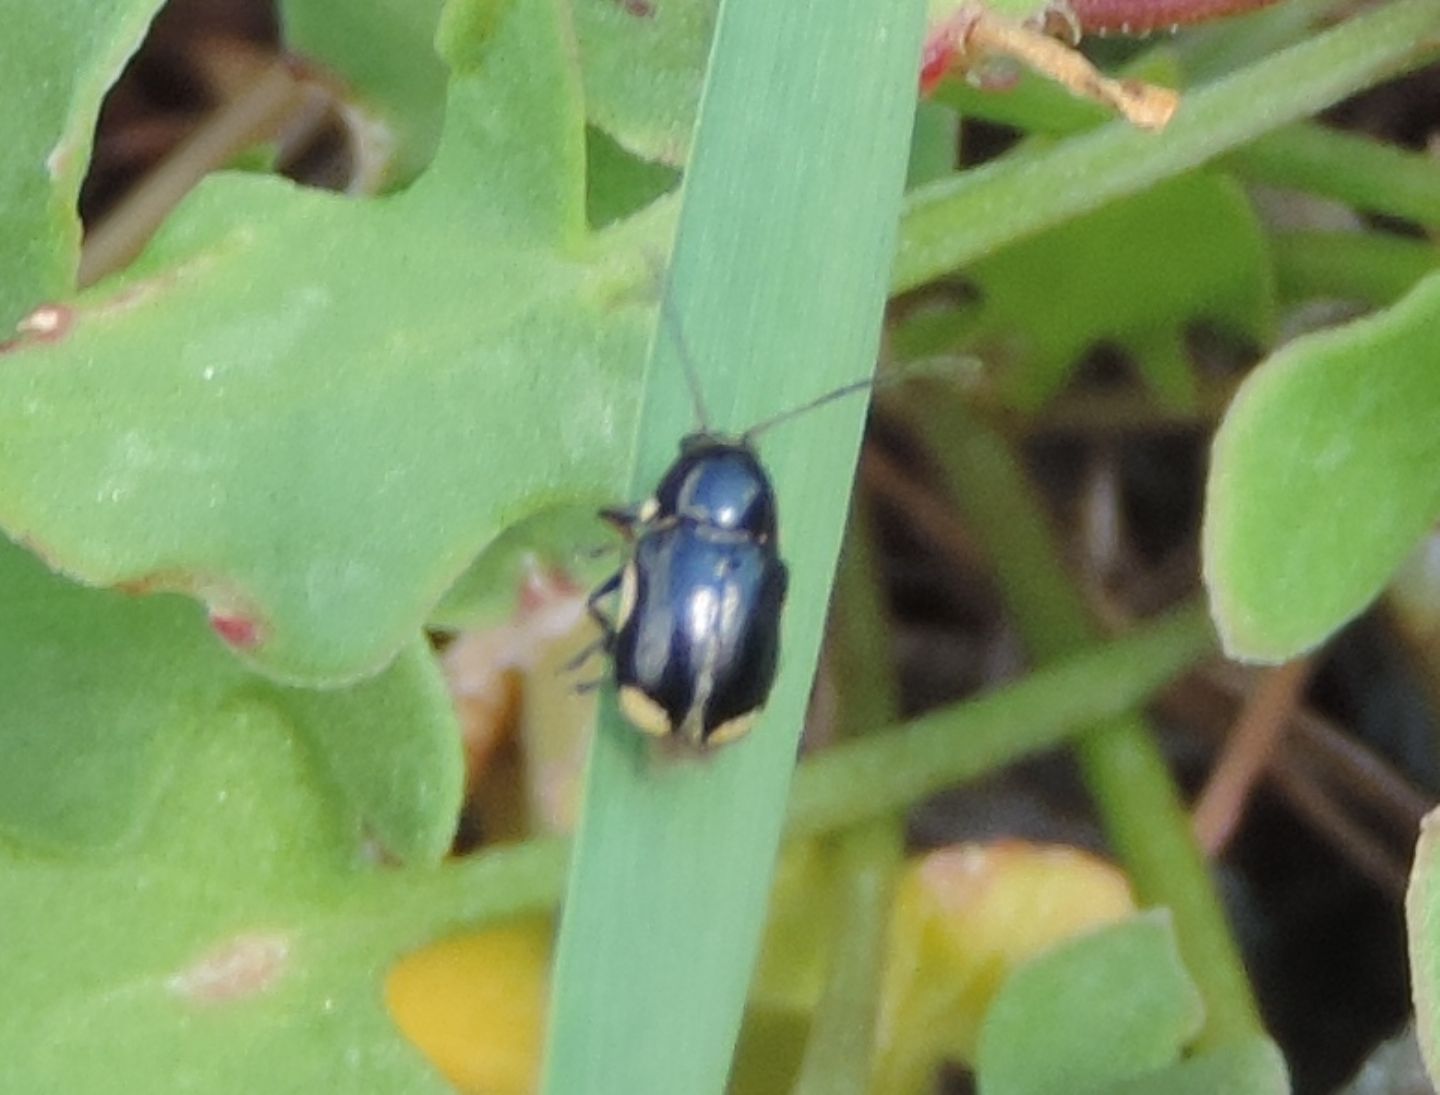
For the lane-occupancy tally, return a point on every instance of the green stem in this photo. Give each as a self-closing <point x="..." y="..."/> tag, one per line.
<point x="1252" y="117"/>
<point x="1371" y="267"/>
<point x="857" y="781"/>
<point x="1359" y="171"/>
<point x="934" y="143"/>
<point x="973" y="213"/>
<point x="1122" y="766"/>
<point x="842" y="1032"/>
<point x="1223" y="47"/>
<point x="858" y="634"/>
<point x="887" y="771"/>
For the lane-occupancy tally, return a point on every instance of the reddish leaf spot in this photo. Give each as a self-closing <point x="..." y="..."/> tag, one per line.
<point x="641" y="9"/>
<point x="48" y="323"/>
<point x="240" y="968"/>
<point x="61" y="158"/>
<point x="241" y="632"/>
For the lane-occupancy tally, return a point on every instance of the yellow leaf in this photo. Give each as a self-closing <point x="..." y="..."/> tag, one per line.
<point x="474" y="1005"/>
<point x="963" y="918"/>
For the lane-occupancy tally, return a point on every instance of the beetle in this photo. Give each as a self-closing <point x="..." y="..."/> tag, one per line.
<point x="695" y="639"/>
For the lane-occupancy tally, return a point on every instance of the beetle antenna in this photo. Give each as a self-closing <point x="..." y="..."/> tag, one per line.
<point x="670" y="323"/>
<point x="829" y="397"/>
<point x="687" y="360"/>
<point x="875" y="383"/>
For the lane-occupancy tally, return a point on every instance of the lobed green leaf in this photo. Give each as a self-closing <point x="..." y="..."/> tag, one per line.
<point x="60" y="59"/>
<point x="217" y="955"/>
<point x="313" y="412"/>
<point x="104" y="692"/>
<point x="384" y="51"/>
<point x="1326" y="471"/>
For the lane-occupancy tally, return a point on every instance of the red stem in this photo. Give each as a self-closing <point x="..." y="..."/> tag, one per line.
<point x="1144" y="16"/>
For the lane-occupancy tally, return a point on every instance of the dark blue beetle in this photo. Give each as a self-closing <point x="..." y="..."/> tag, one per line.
<point x="696" y="637"/>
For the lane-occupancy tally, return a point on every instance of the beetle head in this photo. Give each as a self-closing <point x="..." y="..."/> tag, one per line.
<point x="720" y="483"/>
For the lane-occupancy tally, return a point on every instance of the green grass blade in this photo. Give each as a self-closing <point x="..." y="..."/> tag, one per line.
<point x="778" y="279"/>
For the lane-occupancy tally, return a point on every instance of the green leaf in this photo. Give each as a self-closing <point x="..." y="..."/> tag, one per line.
<point x="1375" y="268"/>
<point x="1326" y="471"/>
<point x="384" y="52"/>
<point x="1090" y="1013"/>
<point x="621" y="183"/>
<point x="1254" y="1066"/>
<point x="644" y="61"/>
<point x="392" y="745"/>
<point x="1422" y="926"/>
<point x="219" y="955"/>
<point x="99" y="692"/>
<point x="934" y="143"/>
<point x="557" y="539"/>
<point x="60" y="58"/>
<point x="1132" y="273"/>
<point x="313" y="412"/>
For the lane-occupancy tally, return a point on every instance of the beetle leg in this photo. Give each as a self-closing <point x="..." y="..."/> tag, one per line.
<point x="623" y="518"/>
<point x="596" y="613"/>
<point x="588" y="652"/>
<point x="602" y="621"/>
<point x="600" y="551"/>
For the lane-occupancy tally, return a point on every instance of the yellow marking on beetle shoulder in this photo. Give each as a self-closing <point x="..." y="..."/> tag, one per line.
<point x="648" y="509"/>
<point x="629" y="584"/>
<point x="643" y="712"/>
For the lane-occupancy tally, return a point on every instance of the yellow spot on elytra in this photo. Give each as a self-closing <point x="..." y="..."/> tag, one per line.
<point x="732" y="729"/>
<point x="644" y="712"/>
